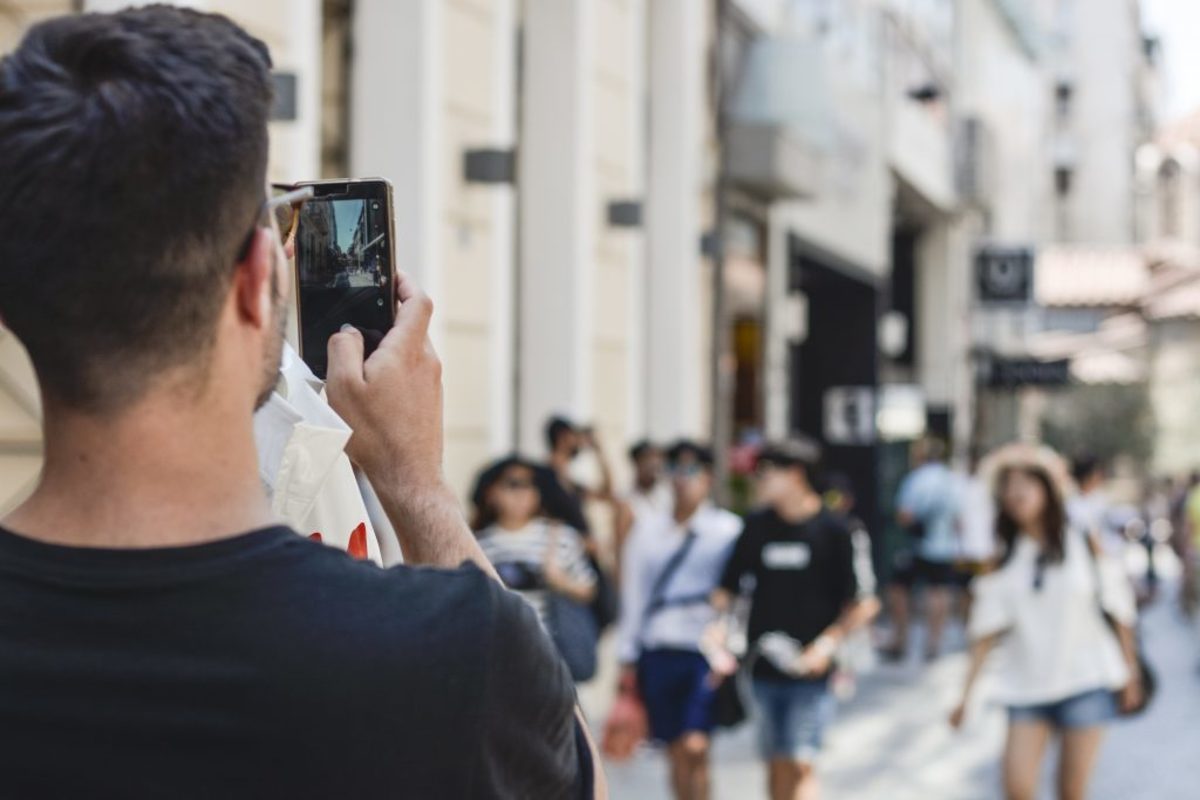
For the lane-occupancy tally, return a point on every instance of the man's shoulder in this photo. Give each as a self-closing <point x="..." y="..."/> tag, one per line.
<point x="722" y="522"/>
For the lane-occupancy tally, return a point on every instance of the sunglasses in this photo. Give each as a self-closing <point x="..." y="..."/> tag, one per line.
<point x="516" y="484"/>
<point x="284" y="205"/>
<point x="685" y="470"/>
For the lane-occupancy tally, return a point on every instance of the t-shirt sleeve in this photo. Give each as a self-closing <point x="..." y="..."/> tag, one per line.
<point x="991" y="611"/>
<point x="529" y="743"/>
<point x="1116" y="591"/>
<point x="741" y="559"/>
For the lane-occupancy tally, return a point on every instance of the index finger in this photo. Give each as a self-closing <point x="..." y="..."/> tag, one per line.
<point x="414" y="308"/>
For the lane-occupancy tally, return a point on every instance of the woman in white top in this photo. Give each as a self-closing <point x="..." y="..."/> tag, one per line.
<point x="1065" y="671"/>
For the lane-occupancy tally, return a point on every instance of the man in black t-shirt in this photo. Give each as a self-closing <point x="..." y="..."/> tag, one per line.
<point x="160" y="635"/>
<point x="806" y="598"/>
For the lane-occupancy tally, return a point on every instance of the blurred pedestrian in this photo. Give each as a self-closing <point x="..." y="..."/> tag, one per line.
<point x="541" y="559"/>
<point x="1188" y="546"/>
<point x="928" y="507"/>
<point x="812" y="588"/>
<point x="562" y="495"/>
<point x="565" y="499"/>
<point x="672" y="564"/>
<point x="649" y="495"/>
<point x="1090" y="509"/>
<point x="1066" y="671"/>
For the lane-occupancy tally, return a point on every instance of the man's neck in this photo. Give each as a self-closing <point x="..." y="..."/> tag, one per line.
<point x="685" y="511"/>
<point x="165" y="473"/>
<point x="799" y="506"/>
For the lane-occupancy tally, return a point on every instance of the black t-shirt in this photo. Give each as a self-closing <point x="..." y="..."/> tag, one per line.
<point x="267" y="665"/>
<point x="803" y="576"/>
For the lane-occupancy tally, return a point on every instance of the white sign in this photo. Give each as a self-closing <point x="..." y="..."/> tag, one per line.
<point x="850" y="415"/>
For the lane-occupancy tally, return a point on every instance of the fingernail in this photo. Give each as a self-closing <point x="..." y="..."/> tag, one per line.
<point x="348" y="328"/>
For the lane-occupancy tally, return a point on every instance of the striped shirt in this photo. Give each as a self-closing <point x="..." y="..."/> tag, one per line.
<point x="518" y="556"/>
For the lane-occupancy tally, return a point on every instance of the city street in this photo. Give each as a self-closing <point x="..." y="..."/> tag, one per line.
<point x="891" y="742"/>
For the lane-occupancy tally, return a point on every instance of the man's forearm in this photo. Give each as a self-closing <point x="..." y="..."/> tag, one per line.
<point x="430" y="526"/>
<point x="855" y="615"/>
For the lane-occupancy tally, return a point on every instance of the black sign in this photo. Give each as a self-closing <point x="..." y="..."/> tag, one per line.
<point x="1009" y="373"/>
<point x="1004" y="274"/>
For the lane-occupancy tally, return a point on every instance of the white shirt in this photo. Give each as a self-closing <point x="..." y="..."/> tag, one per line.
<point x="651" y="544"/>
<point x="658" y="500"/>
<point x="977" y="520"/>
<point x="1092" y="512"/>
<point x="1056" y="644"/>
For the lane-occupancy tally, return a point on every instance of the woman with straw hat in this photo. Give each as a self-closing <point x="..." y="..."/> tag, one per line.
<point x="1060" y="614"/>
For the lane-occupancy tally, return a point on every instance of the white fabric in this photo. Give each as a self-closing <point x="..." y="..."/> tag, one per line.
<point x="977" y="520"/>
<point x="1092" y="512"/>
<point x="303" y="465"/>
<point x="651" y="544"/>
<point x="643" y="504"/>
<point x="1056" y="644"/>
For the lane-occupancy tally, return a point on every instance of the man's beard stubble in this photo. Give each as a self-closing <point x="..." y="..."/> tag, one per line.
<point x="273" y="347"/>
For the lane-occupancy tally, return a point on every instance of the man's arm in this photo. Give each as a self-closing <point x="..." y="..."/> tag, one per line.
<point x="392" y="402"/>
<point x="603" y="492"/>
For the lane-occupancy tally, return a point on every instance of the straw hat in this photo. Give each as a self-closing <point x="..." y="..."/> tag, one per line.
<point x="1028" y="456"/>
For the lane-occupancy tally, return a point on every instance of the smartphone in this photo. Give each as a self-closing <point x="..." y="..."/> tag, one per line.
<point x="345" y="265"/>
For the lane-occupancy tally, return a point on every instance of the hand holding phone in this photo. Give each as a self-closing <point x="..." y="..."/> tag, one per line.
<point x="392" y="399"/>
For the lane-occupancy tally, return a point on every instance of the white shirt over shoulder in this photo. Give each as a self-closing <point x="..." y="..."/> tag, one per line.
<point x="1055" y="644"/>
<point x="653" y="541"/>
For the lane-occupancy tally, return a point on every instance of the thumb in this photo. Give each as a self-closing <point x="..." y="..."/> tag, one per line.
<point x="345" y="352"/>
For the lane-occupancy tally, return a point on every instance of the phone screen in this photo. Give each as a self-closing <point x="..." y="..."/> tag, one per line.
<point x="343" y="258"/>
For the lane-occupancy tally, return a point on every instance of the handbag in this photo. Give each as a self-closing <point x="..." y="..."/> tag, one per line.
<point x="1149" y="677"/>
<point x="572" y="626"/>
<point x="575" y="632"/>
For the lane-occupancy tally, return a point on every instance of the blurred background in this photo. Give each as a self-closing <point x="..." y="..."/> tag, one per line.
<point x="862" y="220"/>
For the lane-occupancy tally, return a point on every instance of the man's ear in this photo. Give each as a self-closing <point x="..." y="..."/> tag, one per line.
<point x="252" y="283"/>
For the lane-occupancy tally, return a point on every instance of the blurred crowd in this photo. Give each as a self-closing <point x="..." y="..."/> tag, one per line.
<point x="719" y="616"/>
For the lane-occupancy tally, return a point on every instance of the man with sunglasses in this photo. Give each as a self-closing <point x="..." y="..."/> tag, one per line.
<point x="671" y="565"/>
<point x="160" y="634"/>
<point x="807" y="596"/>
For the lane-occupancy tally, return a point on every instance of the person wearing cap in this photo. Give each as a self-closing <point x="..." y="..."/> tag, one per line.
<point x="672" y="563"/>
<point x="807" y="596"/>
<point x="1060" y="614"/>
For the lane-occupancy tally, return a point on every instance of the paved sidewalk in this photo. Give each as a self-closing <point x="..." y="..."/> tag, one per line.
<point x="892" y="743"/>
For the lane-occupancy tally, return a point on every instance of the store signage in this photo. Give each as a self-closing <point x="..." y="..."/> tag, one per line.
<point x="850" y="415"/>
<point x="1004" y="274"/>
<point x="1009" y="373"/>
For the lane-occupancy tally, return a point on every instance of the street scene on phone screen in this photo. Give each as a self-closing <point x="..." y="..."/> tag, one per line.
<point x="641" y="399"/>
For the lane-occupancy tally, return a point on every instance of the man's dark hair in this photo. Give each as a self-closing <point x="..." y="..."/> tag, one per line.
<point x="641" y="448"/>
<point x="686" y="447"/>
<point x="1084" y="467"/>
<point x="555" y="428"/>
<point x="133" y="150"/>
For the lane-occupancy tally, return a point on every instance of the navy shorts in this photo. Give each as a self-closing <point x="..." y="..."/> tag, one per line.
<point x="1086" y="710"/>
<point x="675" y="688"/>
<point x="792" y="718"/>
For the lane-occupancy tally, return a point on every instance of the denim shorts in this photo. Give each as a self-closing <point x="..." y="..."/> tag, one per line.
<point x="1086" y="710"/>
<point x="792" y="717"/>
<point x="677" y="693"/>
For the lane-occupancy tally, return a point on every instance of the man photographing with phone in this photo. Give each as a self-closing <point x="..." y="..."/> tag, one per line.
<point x="160" y="635"/>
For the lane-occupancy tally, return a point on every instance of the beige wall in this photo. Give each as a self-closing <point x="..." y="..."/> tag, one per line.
<point x="20" y="414"/>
